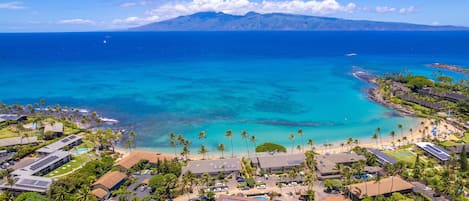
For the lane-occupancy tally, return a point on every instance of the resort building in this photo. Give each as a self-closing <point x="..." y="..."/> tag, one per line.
<point x="336" y="198"/>
<point x="135" y="156"/>
<point x="435" y="151"/>
<point x="7" y="142"/>
<point x="213" y="167"/>
<point x="278" y="162"/>
<point x="381" y="157"/>
<point x="65" y="143"/>
<point x="55" y="129"/>
<point x="44" y="165"/>
<point x="449" y="96"/>
<point x="12" y="118"/>
<point x="110" y="181"/>
<point x="326" y="165"/>
<point x="26" y="183"/>
<point x="234" y="198"/>
<point x="457" y="149"/>
<point x="428" y="104"/>
<point x="384" y="187"/>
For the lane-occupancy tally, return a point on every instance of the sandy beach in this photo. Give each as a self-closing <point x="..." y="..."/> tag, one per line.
<point x="385" y="143"/>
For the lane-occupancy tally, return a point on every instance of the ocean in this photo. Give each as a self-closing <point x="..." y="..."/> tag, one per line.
<point x="268" y="83"/>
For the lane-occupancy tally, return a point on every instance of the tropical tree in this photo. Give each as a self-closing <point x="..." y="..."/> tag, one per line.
<point x="84" y="194"/>
<point x="300" y="133"/>
<point x="172" y="142"/>
<point x="400" y="127"/>
<point x="375" y="137"/>
<point x="202" y="136"/>
<point x="378" y="130"/>
<point x="310" y="143"/>
<point x="203" y="150"/>
<point x="221" y="148"/>
<point x="245" y="136"/>
<point x="253" y="141"/>
<point x="229" y="135"/>
<point x="292" y="139"/>
<point x="133" y="136"/>
<point x="393" y="135"/>
<point x="349" y="142"/>
<point x="128" y="144"/>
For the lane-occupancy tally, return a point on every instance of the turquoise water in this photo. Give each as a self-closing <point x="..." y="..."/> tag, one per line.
<point x="81" y="151"/>
<point x="270" y="84"/>
<point x="261" y="197"/>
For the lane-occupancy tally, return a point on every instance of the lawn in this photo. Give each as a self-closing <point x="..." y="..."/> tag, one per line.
<point x="465" y="138"/>
<point x="7" y="133"/>
<point x="66" y="168"/>
<point x="402" y="155"/>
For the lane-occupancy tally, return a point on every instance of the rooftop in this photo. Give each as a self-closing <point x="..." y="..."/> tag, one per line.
<point x="336" y="198"/>
<point x="213" y="166"/>
<point x="42" y="163"/>
<point x="17" y="141"/>
<point x="10" y="117"/>
<point x="458" y="148"/>
<point x="59" y="144"/>
<point x="29" y="183"/>
<point x="110" y="179"/>
<point x="382" y="157"/>
<point x="385" y="186"/>
<point x="99" y="193"/>
<point x="54" y="127"/>
<point x="326" y="163"/>
<point x="135" y="156"/>
<point x="280" y="160"/>
<point x="434" y="150"/>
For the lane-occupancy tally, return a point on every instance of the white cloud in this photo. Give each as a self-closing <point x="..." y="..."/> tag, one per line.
<point x="133" y="4"/>
<point x="306" y="7"/>
<point x="77" y="21"/>
<point x="133" y="21"/>
<point x="386" y="9"/>
<point x="407" y="10"/>
<point x="14" y="5"/>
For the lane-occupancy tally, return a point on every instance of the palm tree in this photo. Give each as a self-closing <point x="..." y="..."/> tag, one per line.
<point x="133" y="136"/>
<point x="128" y="144"/>
<point x="375" y="137"/>
<point x="310" y="143"/>
<point x="300" y="133"/>
<point x="298" y="147"/>
<point x="186" y="149"/>
<point x="203" y="150"/>
<point x="43" y="103"/>
<point x="400" y="127"/>
<point x="349" y="142"/>
<point x="378" y="180"/>
<point x="221" y="148"/>
<point x="172" y="142"/>
<point x="378" y="130"/>
<point x="84" y="194"/>
<point x="253" y="140"/>
<point x="245" y="136"/>
<point x="202" y="136"/>
<point x="342" y="145"/>
<point x="392" y="134"/>
<point x="229" y="135"/>
<point x="410" y="130"/>
<point x="292" y="139"/>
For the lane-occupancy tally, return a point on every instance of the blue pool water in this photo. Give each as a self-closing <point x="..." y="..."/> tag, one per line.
<point x="81" y="151"/>
<point x="260" y="197"/>
<point x="268" y="83"/>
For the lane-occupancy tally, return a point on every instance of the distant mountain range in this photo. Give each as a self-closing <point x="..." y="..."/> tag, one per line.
<point x="217" y="21"/>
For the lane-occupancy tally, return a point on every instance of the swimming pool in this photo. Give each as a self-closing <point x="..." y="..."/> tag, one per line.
<point x="261" y="197"/>
<point x="81" y="151"/>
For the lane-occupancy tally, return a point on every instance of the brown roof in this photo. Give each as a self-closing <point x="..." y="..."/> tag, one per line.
<point x="110" y="179"/>
<point x="336" y="198"/>
<point x="386" y="186"/>
<point x="234" y="198"/>
<point x="135" y="156"/>
<point x="99" y="193"/>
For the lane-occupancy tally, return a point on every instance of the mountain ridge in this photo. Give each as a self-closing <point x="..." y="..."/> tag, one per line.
<point x="252" y="21"/>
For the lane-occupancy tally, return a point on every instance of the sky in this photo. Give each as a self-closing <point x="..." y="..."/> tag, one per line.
<point x="102" y="15"/>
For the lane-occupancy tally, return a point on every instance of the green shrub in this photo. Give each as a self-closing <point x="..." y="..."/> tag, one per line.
<point x="270" y="147"/>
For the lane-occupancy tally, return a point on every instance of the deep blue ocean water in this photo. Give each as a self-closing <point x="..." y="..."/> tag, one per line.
<point x="268" y="83"/>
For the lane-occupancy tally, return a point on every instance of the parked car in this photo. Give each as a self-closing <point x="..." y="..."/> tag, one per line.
<point x="261" y="187"/>
<point x="245" y="188"/>
<point x="240" y="179"/>
<point x="219" y="184"/>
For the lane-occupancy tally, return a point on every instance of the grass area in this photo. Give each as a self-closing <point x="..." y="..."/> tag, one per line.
<point x="449" y="143"/>
<point x="402" y="155"/>
<point x="76" y="162"/>
<point x="465" y="138"/>
<point x="7" y="133"/>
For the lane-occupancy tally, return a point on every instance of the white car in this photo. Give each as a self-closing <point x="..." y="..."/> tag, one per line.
<point x="261" y="187"/>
